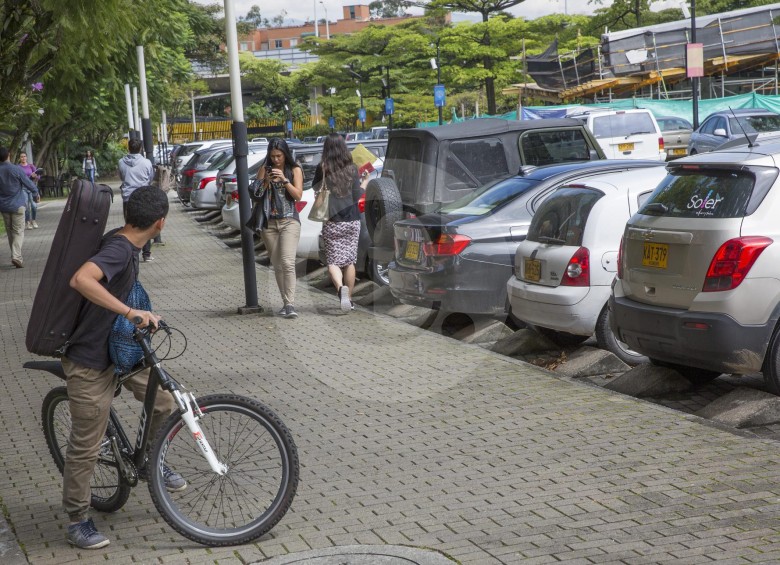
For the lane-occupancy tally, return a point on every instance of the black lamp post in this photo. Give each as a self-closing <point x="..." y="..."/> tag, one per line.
<point x="359" y="92"/>
<point x="435" y="64"/>
<point x="386" y="82"/>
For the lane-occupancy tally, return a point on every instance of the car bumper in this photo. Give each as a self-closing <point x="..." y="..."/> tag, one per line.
<point x="568" y="309"/>
<point x="470" y="287"/>
<point x="667" y="334"/>
<point x="200" y="200"/>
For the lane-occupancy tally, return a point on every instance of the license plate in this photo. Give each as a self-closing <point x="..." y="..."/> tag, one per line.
<point x="412" y="251"/>
<point x="679" y="151"/>
<point x="532" y="269"/>
<point x="655" y="255"/>
<point x="625" y="146"/>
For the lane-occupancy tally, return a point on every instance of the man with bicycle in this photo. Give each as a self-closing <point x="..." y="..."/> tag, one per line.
<point x="105" y="281"/>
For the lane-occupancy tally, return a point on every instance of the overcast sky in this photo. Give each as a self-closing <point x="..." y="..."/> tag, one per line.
<point x="298" y="12"/>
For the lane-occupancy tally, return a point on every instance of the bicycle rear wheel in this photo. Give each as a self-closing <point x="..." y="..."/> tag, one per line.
<point x="109" y="491"/>
<point x="258" y="488"/>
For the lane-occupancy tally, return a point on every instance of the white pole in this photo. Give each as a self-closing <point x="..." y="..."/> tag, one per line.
<point x="316" y="27"/>
<point x="139" y="50"/>
<point x="129" y="102"/>
<point x="136" y="119"/>
<point x="327" y="25"/>
<point x="194" y="123"/>
<point x="165" y="127"/>
<point x="236" y="102"/>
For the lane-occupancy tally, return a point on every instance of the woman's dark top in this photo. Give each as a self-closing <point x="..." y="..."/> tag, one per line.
<point x="344" y="208"/>
<point x="282" y="204"/>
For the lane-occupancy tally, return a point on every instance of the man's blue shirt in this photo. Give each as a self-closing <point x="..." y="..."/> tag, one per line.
<point x="13" y="183"/>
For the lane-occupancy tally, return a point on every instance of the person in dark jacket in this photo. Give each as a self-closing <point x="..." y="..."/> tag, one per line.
<point x="341" y="231"/>
<point x="14" y="186"/>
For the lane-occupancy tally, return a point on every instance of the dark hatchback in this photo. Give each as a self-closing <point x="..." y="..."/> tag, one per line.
<point x="459" y="258"/>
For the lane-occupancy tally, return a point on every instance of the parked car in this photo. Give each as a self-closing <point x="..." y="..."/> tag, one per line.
<point x="697" y="282"/>
<point x="626" y="134"/>
<point x="459" y="258"/>
<point x="257" y="152"/>
<point x="186" y="151"/>
<point x="564" y="269"/>
<point x="727" y="125"/>
<point x="428" y="167"/>
<point x="204" y="183"/>
<point x="677" y="134"/>
<point x="201" y="160"/>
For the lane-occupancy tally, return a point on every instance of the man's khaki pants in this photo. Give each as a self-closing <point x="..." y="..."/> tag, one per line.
<point x="14" y="229"/>
<point x="90" y="392"/>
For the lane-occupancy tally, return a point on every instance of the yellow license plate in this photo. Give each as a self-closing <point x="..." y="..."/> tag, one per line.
<point x="679" y="151"/>
<point x="412" y="251"/>
<point x="655" y="255"/>
<point x="625" y="146"/>
<point x="532" y="269"/>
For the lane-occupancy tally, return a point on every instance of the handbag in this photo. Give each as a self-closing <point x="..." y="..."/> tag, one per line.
<point x="320" y="210"/>
<point x="124" y="351"/>
<point x="258" y="219"/>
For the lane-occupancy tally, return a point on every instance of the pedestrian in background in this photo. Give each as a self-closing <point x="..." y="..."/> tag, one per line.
<point x="281" y="181"/>
<point x="13" y="200"/>
<point x="89" y="167"/>
<point x="341" y="231"/>
<point x="136" y="171"/>
<point x="31" y="211"/>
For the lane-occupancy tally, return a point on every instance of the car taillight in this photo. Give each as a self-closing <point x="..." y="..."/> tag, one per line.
<point x="203" y="182"/>
<point x="362" y="203"/>
<point x="732" y="261"/>
<point x="300" y="205"/>
<point x="660" y="144"/>
<point x="578" y="270"/>
<point x="620" y="259"/>
<point x="234" y="195"/>
<point x="446" y="245"/>
<point x="188" y="172"/>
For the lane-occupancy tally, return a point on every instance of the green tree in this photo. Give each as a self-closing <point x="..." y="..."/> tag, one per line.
<point x="389" y="8"/>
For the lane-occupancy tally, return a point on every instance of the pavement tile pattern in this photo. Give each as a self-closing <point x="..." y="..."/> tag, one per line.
<point x="405" y="437"/>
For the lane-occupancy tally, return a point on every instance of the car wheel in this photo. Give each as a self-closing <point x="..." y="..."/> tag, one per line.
<point x="378" y="271"/>
<point x="564" y="339"/>
<point x="383" y="209"/>
<point x="607" y="340"/>
<point x="694" y="375"/>
<point x="771" y="367"/>
<point x="693" y="152"/>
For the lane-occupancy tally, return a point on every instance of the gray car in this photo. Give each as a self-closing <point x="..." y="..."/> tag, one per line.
<point x="459" y="258"/>
<point x="677" y="134"/>
<point x="720" y="127"/>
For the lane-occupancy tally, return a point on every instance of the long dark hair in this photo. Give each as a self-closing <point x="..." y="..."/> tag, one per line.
<point x="337" y="165"/>
<point x="281" y="145"/>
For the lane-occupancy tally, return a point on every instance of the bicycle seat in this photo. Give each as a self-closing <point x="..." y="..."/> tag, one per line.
<point x="53" y="367"/>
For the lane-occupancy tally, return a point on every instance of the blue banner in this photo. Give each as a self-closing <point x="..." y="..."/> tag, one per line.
<point x="362" y="114"/>
<point x="389" y="106"/>
<point x="438" y="96"/>
<point x="332" y="122"/>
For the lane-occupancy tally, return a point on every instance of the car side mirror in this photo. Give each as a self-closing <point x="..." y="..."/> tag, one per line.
<point x="720" y="132"/>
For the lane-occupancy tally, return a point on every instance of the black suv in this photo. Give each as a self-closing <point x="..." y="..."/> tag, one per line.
<point x="426" y="168"/>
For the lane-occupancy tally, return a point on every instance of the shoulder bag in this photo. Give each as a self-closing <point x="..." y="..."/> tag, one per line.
<point x="261" y="210"/>
<point x="320" y="209"/>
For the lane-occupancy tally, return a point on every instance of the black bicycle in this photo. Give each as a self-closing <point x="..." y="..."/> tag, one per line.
<point x="238" y="458"/>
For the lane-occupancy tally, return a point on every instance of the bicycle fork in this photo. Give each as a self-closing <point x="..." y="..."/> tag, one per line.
<point x="191" y="413"/>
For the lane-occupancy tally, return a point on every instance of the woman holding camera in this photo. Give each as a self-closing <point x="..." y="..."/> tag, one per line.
<point x="281" y="181"/>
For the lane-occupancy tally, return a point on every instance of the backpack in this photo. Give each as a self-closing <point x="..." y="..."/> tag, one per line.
<point x="79" y="235"/>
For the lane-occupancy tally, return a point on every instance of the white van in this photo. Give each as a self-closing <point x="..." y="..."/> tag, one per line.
<point x="626" y="134"/>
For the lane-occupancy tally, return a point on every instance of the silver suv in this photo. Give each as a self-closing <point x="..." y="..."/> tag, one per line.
<point x="698" y="285"/>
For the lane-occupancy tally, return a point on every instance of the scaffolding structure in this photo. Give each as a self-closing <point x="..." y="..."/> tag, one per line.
<point x="653" y="58"/>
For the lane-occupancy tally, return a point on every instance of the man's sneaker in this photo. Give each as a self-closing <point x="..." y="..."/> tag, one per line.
<point x="28" y="225"/>
<point x="148" y="258"/>
<point x="174" y="482"/>
<point x="17" y="263"/>
<point x="85" y="535"/>
<point x="346" y="303"/>
<point x="282" y="311"/>
<point x="289" y="312"/>
<point x="35" y="225"/>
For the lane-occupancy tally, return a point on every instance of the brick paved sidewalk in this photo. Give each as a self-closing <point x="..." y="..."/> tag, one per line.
<point x="405" y="437"/>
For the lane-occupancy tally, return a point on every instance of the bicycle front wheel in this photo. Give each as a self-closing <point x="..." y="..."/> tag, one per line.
<point x="251" y="497"/>
<point x="109" y="491"/>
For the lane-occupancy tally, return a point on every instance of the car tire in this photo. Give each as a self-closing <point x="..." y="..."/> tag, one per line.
<point x="771" y="367"/>
<point x="383" y="209"/>
<point x="377" y="271"/>
<point x="693" y="152"/>
<point x="693" y="375"/>
<point x="564" y="339"/>
<point x="607" y="340"/>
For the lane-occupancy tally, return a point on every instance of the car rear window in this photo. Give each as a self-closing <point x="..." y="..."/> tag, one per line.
<point x="754" y="124"/>
<point x="710" y="193"/>
<point x="548" y="147"/>
<point x="187" y="149"/>
<point x="475" y="162"/>
<point x="406" y="155"/>
<point x="489" y="197"/>
<point x="561" y="218"/>
<point x="622" y="124"/>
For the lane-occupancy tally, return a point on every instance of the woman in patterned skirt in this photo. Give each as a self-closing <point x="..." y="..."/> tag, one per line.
<point x="338" y="174"/>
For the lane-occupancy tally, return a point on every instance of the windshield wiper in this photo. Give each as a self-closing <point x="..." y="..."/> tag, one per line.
<point x="545" y="239"/>
<point x="637" y="133"/>
<point x="657" y="207"/>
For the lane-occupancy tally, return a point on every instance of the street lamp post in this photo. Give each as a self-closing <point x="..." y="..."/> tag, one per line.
<point x="316" y="27"/>
<point x="289" y="119"/>
<point x="386" y="82"/>
<point x="362" y="113"/>
<point x="331" y="120"/>
<point x="439" y="86"/>
<point x="327" y="26"/>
